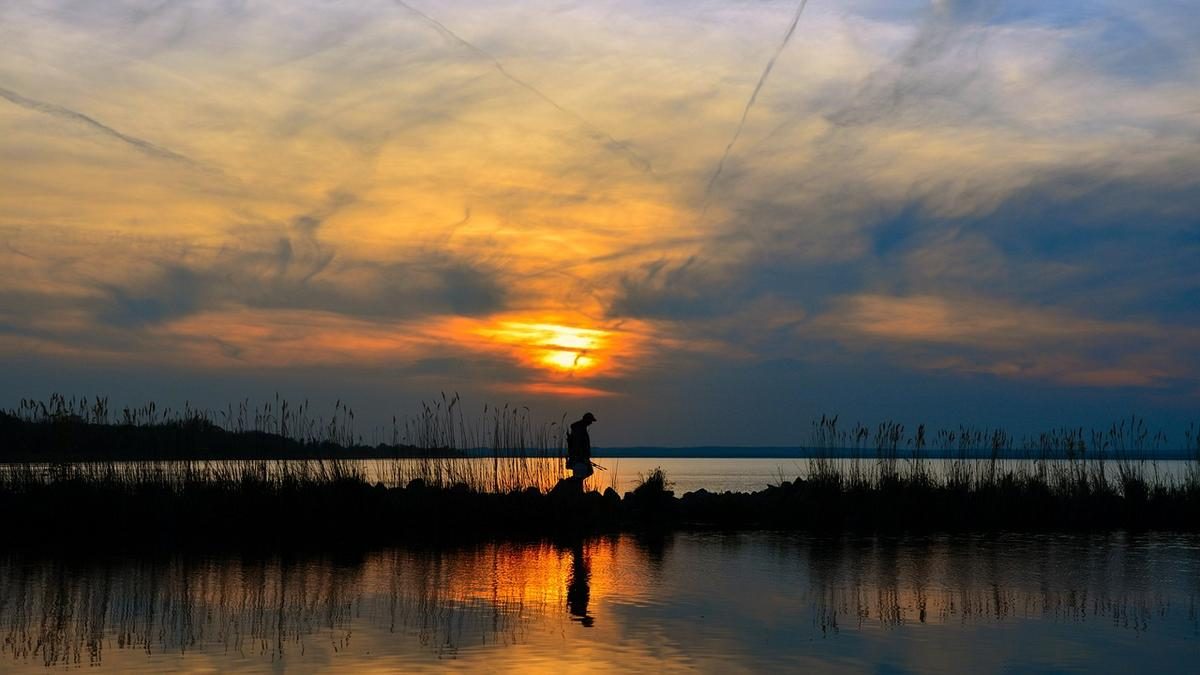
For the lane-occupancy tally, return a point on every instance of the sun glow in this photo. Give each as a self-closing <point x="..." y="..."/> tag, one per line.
<point x="567" y="360"/>
<point x="553" y="346"/>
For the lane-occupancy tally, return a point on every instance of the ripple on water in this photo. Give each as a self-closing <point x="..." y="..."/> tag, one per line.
<point x="707" y="601"/>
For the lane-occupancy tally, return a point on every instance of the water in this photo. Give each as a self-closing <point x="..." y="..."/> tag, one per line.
<point x="684" y="473"/>
<point x="736" y="474"/>
<point x="753" y="474"/>
<point x="755" y="601"/>
<point x="689" y="601"/>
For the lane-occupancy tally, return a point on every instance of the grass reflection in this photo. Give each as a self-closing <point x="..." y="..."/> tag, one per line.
<point x="522" y="599"/>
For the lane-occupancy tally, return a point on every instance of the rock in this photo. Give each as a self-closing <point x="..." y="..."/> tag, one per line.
<point x="567" y="487"/>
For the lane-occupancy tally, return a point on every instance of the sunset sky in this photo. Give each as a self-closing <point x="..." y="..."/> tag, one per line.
<point x="948" y="211"/>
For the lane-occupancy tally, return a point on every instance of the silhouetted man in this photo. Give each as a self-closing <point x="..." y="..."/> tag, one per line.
<point x="579" y="448"/>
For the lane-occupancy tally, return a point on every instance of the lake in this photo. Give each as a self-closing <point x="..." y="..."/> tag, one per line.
<point x="743" y="474"/>
<point x="755" y="473"/>
<point x="716" y="474"/>
<point x="757" y="601"/>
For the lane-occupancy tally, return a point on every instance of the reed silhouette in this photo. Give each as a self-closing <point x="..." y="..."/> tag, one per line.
<point x="463" y="478"/>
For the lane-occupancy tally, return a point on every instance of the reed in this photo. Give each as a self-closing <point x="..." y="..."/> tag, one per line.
<point x="77" y="440"/>
<point x="440" y="447"/>
<point x="1120" y="460"/>
<point x="495" y="470"/>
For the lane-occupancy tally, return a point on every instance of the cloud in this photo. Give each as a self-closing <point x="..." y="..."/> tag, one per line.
<point x="433" y="285"/>
<point x="970" y="322"/>
<point x="139" y="293"/>
<point x="979" y="334"/>
<point x="942" y="189"/>
<point x="762" y="79"/>
<point x="426" y="285"/>
<point x="685" y="290"/>
<point x="605" y="139"/>
<point x="54" y="110"/>
<point x="174" y="292"/>
<point x="940" y="64"/>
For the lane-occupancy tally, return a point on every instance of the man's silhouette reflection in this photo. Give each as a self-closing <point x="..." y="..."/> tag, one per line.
<point x="578" y="591"/>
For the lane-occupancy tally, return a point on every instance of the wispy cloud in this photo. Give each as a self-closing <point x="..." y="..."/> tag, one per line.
<point x="139" y="144"/>
<point x="941" y="189"/>
<point x="762" y="79"/>
<point x="603" y="137"/>
<point x="979" y="334"/>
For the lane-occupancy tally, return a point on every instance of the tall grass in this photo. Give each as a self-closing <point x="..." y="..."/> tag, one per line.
<point x="440" y="446"/>
<point x="1120" y="460"/>
<point x="523" y="452"/>
<point x="505" y="449"/>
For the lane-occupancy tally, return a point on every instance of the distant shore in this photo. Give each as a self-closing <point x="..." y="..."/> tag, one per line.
<point x="71" y="438"/>
<point x="75" y="439"/>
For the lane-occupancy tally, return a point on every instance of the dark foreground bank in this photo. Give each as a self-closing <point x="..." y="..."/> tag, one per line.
<point x="348" y="510"/>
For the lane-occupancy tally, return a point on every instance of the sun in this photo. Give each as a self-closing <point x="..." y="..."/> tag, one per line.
<point x="567" y="360"/>
<point x="552" y="346"/>
<point x="566" y="348"/>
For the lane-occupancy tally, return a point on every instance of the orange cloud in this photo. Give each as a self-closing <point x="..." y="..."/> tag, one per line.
<point x="969" y="321"/>
<point x="981" y="335"/>
<point x="393" y="197"/>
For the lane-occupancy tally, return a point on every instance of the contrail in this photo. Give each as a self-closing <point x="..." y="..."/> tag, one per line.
<point x="754" y="96"/>
<point x="74" y="116"/>
<point x="601" y="136"/>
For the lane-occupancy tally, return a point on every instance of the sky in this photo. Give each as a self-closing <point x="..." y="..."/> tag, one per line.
<point x="707" y="222"/>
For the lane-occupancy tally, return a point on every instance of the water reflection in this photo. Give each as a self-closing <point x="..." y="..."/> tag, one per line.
<point x="693" y="600"/>
<point x="982" y="581"/>
<point x="578" y="590"/>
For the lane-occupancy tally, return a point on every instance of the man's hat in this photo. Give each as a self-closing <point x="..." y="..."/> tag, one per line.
<point x="589" y="417"/>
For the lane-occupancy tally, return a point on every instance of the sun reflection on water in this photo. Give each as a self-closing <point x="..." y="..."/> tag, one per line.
<point x="760" y="601"/>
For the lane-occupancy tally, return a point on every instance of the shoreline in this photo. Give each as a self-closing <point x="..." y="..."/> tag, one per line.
<point x="351" y="512"/>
